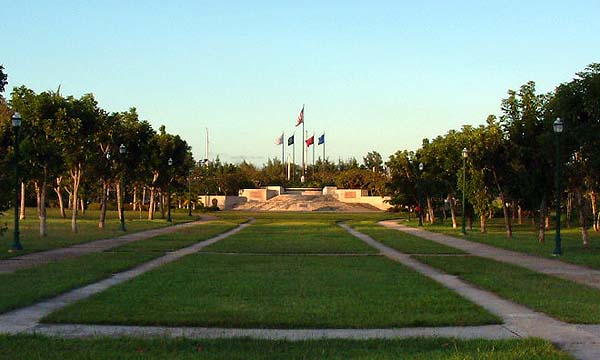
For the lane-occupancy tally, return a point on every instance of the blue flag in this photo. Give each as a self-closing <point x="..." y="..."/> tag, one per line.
<point x="321" y="139"/>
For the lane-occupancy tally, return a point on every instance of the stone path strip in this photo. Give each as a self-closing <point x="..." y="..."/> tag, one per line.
<point x="490" y="332"/>
<point x="581" y="341"/>
<point x="45" y="257"/>
<point x="27" y="319"/>
<point x="579" y="274"/>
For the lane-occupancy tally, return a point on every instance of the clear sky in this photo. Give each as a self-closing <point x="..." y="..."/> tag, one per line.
<point x="374" y="75"/>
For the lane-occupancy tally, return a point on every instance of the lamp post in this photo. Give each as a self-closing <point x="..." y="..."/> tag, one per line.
<point x="558" y="129"/>
<point x="170" y="163"/>
<point x="122" y="151"/>
<point x="419" y="195"/>
<point x="16" y="123"/>
<point x="465" y="155"/>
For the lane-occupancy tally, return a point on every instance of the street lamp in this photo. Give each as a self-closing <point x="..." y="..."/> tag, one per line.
<point x="558" y="129"/>
<point x="16" y="123"/>
<point x="419" y="195"/>
<point x="170" y="163"/>
<point x="122" y="151"/>
<point x="465" y="155"/>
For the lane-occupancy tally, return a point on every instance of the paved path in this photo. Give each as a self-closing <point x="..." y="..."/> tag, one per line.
<point x="27" y="319"/>
<point x="581" y="341"/>
<point x="580" y="274"/>
<point x="44" y="257"/>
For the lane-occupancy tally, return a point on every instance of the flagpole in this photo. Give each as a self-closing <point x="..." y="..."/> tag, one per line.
<point x="313" y="162"/>
<point x="323" y="145"/>
<point x="303" y="140"/>
<point x="294" y="159"/>
<point x="283" y="139"/>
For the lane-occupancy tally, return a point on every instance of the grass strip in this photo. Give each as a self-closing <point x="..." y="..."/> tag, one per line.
<point x="28" y="286"/>
<point x="279" y="236"/>
<point x="561" y="299"/>
<point x="525" y="240"/>
<point x="255" y="291"/>
<point x="49" y="348"/>
<point x="403" y="242"/>
<point x="60" y="234"/>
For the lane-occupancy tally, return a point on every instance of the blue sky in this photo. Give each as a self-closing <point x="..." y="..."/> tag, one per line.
<point x="374" y="75"/>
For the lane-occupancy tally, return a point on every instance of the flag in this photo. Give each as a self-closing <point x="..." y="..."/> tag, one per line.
<point x="321" y="139"/>
<point x="310" y="141"/>
<point x="279" y="140"/>
<point x="291" y="140"/>
<point x="300" y="117"/>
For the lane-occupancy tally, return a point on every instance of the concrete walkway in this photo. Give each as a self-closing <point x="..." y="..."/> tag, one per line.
<point x="580" y="274"/>
<point x="27" y="319"/>
<point x="48" y="256"/>
<point x="581" y="341"/>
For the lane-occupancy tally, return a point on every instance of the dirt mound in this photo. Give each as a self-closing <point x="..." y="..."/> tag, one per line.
<point x="294" y="202"/>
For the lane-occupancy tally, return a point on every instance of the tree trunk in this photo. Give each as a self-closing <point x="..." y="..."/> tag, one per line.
<point x="22" y="209"/>
<point x="469" y="220"/>
<point x="453" y="211"/>
<point x="582" y="218"/>
<point x="520" y="214"/>
<point x="143" y="202"/>
<point x="151" y="204"/>
<point x="547" y="222"/>
<point x="569" y="208"/>
<point x="58" y="191"/>
<point x="42" y="207"/>
<point x="542" y="227"/>
<point x="595" y="210"/>
<point x="514" y="212"/>
<point x="482" y="223"/>
<point x="507" y="224"/>
<point x="36" y="187"/>
<point x="430" y="210"/>
<point x="76" y="179"/>
<point x="162" y="204"/>
<point x="103" y="200"/>
<point x="135" y="200"/>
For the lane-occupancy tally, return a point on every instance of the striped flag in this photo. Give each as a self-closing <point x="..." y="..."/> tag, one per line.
<point x="279" y="139"/>
<point x="300" y="117"/>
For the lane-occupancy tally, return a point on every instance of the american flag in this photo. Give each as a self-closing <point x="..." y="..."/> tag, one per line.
<point x="300" y="117"/>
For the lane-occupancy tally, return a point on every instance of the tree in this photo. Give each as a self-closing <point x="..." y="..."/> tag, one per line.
<point x="76" y="137"/>
<point x="402" y="185"/>
<point x="3" y="79"/>
<point x="529" y="159"/>
<point x="373" y="161"/>
<point x="578" y="104"/>
<point x="42" y="120"/>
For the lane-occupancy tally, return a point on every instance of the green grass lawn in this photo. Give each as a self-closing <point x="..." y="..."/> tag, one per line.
<point x="525" y="240"/>
<point x="28" y="286"/>
<point x="48" y="348"/>
<point x="561" y="299"/>
<point x="403" y="242"/>
<point x="258" y="291"/>
<point x="59" y="229"/>
<point x="292" y="235"/>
